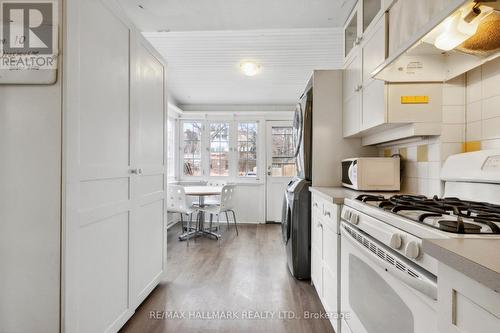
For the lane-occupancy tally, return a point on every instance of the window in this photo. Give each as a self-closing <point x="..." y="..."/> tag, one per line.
<point x="219" y="149"/>
<point x="192" y="148"/>
<point x="171" y="145"/>
<point x="283" y="152"/>
<point x="247" y="149"/>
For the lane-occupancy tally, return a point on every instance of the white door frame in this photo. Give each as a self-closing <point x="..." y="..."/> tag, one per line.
<point x="268" y="162"/>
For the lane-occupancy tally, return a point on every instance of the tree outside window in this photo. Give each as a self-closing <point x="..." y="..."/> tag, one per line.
<point x="219" y="149"/>
<point x="192" y="148"/>
<point x="247" y="149"/>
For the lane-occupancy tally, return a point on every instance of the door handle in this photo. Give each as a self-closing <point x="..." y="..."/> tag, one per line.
<point x="138" y="171"/>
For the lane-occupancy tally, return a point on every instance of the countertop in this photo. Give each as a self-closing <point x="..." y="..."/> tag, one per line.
<point x="337" y="194"/>
<point x="479" y="259"/>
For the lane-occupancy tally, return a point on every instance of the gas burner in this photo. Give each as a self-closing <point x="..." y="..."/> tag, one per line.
<point x="459" y="227"/>
<point x="369" y="197"/>
<point x="450" y="212"/>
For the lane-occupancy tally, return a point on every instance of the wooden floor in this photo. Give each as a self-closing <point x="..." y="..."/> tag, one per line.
<point x="246" y="276"/>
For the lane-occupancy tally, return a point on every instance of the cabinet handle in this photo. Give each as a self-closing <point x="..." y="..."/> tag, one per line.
<point x="328" y="214"/>
<point x="138" y="172"/>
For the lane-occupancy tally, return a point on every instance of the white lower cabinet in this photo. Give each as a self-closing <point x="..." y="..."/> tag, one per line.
<point x="324" y="255"/>
<point x="465" y="305"/>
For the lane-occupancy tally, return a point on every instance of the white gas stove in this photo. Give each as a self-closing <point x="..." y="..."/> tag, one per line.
<point x="381" y="238"/>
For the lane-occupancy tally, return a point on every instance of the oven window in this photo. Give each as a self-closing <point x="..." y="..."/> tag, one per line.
<point x="375" y="303"/>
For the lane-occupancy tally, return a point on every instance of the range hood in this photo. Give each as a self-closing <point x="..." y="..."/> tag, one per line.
<point x="453" y="44"/>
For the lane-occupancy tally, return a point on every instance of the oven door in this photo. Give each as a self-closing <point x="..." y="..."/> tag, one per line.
<point x="381" y="291"/>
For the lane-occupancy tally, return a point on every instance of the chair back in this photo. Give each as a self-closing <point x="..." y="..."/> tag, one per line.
<point x="177" y="200"/>
<point x="227" y="198"/>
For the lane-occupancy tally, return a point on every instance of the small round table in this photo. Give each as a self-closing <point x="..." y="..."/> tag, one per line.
<point x="201" y="192"/>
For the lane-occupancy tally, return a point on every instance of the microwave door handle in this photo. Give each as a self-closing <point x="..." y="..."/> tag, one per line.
<point x="423" y="284"/>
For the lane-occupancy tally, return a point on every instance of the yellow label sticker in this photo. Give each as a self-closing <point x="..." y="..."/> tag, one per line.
<point x="414" y="99"/>
<point x="471" y="146"/>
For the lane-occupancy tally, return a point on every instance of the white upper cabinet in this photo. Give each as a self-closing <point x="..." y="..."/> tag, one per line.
<point x="352" y="85"/>
<point x="352" y="32"/>
<point x="370" y="106"/>
<point x="363" y="16"/>
<point x="363" y="96"/>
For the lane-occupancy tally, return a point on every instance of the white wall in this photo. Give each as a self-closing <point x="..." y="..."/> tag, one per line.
<point x="30" y="182"/>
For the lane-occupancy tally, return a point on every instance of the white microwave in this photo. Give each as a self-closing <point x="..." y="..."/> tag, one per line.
<point x="372" y="173"/>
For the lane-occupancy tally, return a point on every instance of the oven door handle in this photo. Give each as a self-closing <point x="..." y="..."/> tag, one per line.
<point x="421" y="283"/>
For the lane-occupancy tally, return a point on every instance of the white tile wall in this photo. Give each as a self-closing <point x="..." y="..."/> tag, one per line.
<point x="483" y="105"/>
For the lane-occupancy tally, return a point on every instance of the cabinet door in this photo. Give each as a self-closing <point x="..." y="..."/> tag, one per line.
<point x="317" y="271"/>
<point x="352" y="31"/>
<point x="352" y="95"/>
<point x="374" y="49"/>
<point x="317" y="245"/>
<point x="374" y="104"/>
<point x="98" y="164"/>
<point x="148" y="135"/>
<point x="330" y="269"/>
<point x="371" y="9"/>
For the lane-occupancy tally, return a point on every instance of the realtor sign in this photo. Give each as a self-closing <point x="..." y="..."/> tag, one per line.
<point x="28" y="36"/>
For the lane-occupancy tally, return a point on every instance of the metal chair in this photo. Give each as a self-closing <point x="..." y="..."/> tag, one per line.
<point x="177" y="202"/>
<point x="227" y="204"/>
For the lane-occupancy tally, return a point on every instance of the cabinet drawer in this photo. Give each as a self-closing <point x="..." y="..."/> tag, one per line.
<point x="316" y="205"/>
<point x="330" y="216"/>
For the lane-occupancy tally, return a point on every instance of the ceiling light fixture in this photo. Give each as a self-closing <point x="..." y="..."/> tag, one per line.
<point x="250" y="68"/>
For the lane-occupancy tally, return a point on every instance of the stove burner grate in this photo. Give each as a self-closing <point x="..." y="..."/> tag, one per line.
<point x="479" y="212"/>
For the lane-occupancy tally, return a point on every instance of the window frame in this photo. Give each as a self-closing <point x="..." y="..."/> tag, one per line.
<point x="172" y="144"/>
<point x="181" y="148"/>
<point x="233" y="157"/>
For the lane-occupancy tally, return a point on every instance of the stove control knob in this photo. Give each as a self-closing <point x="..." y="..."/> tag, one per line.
<point x="396" y="241"/>
<point x="355" y="219"/>
<point x="412" y="250"/>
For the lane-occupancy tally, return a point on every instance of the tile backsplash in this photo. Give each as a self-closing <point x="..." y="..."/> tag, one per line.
<point x="471" y="121"/>
<point x="483" y="107"/>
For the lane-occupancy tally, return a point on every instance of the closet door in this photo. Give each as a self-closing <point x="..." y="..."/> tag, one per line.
<point x="97" y="164"/>
<point x="148" y="135"/>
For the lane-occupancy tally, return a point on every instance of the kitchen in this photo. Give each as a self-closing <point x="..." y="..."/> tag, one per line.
<point x="227" y="167"/>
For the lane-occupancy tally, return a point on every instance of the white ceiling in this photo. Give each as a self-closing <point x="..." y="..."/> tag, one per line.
<point x="203" y="67"/>
<point x="208" y="39"/>
<point x="202" y="15"/>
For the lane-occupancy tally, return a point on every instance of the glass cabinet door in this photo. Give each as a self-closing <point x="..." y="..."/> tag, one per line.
<point x="351" y="33"/>
<point x="370" y="10"/>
